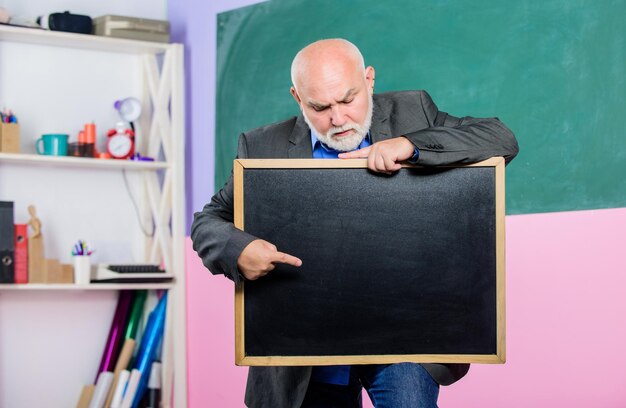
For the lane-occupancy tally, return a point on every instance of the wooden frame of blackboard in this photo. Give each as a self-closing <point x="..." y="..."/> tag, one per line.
<point x="499" y="357"/>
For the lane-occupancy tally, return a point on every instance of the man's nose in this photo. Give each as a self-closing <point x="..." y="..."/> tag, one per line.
<point x="337" y="116"/>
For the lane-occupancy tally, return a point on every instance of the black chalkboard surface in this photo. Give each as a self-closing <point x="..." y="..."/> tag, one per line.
<point x="408" y="267"/>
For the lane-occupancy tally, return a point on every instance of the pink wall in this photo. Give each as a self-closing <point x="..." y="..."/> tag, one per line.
<point x="213" y="379"/>
<point x="566" y="321"/>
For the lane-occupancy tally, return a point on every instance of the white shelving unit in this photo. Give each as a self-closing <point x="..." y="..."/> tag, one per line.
<point x="154" y="73"/>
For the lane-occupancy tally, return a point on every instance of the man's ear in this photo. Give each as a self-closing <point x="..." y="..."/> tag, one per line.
<point x="370" y="76"/>
<point x="295" y="95"/>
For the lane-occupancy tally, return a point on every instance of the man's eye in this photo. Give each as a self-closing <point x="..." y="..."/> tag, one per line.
<point x="320" y="108"/>
<point x="348" y="101"/>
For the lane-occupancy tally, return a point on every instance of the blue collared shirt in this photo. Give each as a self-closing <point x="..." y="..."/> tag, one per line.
<point x="321" y="151"/>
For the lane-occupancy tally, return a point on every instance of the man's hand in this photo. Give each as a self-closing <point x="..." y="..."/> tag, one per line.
<point x="385" y="156"/>
<point x="259" y="258"/>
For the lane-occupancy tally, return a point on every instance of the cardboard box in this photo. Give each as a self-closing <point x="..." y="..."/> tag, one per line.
<point x="132" y="28"/>
<point x="9" y="138"/>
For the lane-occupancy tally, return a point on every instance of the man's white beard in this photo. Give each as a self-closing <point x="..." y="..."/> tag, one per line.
<point x="348" y="142"/>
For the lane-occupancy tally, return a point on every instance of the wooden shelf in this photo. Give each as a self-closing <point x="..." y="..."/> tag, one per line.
<point x="81" y="41"/>
<point x="85" y="162"/>
<point x="93" y="286"/>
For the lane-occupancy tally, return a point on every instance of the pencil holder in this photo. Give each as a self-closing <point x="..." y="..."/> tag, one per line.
<point x="9" y="138"/>
<point x="82" y="269"/>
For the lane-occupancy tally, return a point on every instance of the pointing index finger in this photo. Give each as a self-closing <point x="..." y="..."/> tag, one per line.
<point x="356" y="154"/>
<point x="282" y="257"/>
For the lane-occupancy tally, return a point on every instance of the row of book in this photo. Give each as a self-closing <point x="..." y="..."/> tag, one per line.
<point x="22" y="257"/>
<point x="129" y="376"/>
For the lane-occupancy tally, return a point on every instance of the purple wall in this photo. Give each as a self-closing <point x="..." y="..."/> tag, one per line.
<point x="194" y="23"/>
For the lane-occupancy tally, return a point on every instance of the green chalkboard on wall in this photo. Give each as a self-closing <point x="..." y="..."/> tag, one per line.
<point x="553" y="71"/>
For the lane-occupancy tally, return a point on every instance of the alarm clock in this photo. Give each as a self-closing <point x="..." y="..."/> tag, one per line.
<point x="121" y="142"/>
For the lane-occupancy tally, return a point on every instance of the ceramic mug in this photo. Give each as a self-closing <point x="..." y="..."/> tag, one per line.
<point x="53" y="144"/>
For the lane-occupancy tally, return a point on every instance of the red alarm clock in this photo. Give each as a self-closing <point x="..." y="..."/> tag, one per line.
<point x="121" y="142"/>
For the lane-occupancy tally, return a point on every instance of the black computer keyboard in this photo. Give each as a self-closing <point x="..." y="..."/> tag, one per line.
<point x="136" y="268"/>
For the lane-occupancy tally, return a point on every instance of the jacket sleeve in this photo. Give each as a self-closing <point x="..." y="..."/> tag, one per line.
<point x="451" y="140"/>
<point x="214" y="236"/>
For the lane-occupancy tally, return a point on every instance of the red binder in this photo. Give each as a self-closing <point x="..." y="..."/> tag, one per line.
<point x="21" y="253"/>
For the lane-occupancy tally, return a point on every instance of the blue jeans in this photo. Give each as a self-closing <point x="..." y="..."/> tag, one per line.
<point x="404" y="385"/>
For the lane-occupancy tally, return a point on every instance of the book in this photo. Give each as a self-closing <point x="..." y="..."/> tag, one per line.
<point x="7" y="243"/>
<point x="21" y="253"/>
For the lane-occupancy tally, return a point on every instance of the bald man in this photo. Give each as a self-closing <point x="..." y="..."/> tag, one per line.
<point x="342" y="118"/>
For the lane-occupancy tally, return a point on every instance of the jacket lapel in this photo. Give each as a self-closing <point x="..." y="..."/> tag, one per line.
<point x="379" y="129"/>
<point x="300" y="140"/>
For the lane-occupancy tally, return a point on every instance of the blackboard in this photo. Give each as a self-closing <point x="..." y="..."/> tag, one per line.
<point x="552" y="70"/>
<point x="408" y="267"/>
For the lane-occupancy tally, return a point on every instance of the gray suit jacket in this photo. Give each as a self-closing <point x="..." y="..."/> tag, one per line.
<point x="441" y="139"/>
